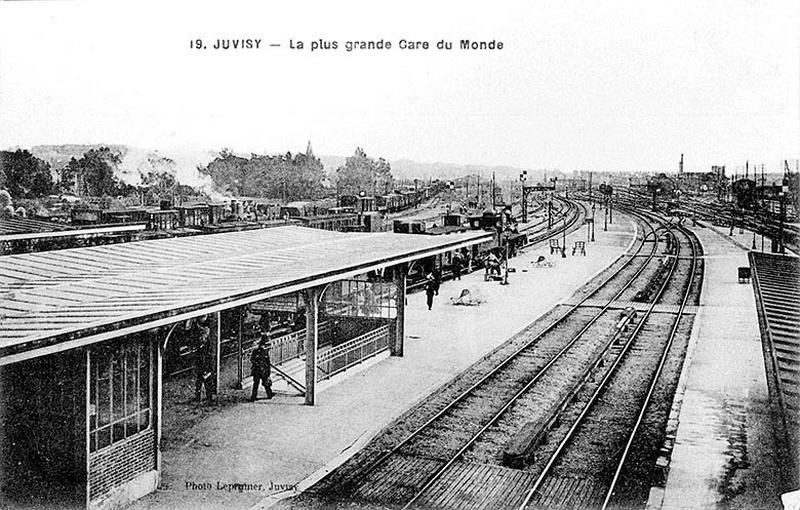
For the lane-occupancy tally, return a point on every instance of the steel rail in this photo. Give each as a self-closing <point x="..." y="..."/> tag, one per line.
<point x="388" y="454"/>
<point x="654" y="381"/>
<point x="435" y="476"/>
<point x="595" y="395"/>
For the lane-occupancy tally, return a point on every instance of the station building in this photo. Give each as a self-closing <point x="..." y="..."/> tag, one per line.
<point x="87" y="336"/>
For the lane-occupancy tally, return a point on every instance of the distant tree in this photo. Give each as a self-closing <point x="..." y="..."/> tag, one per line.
<point x="24" y="175"/>
<point x="283" y="176"/>
<point x="361" y="173"/>
<point x="229" y="172"/>
<point x="160" y="185"/>
<point x="93" y="174"/>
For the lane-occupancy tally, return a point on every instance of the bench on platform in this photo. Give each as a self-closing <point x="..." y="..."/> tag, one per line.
<point x="744" y="274"/>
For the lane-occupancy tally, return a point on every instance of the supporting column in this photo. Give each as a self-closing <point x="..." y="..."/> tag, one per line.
<point x="216" y="343"/>
<point x="399" y="274"/>
<point x="239" y="351"/>
<point x="158" y="374"/>
<point x="86" y="424"/>
<point x="312" y="342"/>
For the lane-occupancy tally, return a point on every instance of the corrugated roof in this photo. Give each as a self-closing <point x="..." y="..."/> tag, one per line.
<point x="26" y="225"/>
<point x="778" y="298"/>
<point x="55" y="296"/>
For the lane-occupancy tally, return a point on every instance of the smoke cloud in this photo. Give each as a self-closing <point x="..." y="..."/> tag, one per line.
<point x="137" y="163"/>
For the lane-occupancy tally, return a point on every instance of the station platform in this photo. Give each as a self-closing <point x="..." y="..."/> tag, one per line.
<point x="724" y="450"/>
<point x="250" y="455"/>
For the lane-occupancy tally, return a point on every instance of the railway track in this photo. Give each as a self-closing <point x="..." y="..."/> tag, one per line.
<point x="586" y="459"/>
<point x="449" y="453"/>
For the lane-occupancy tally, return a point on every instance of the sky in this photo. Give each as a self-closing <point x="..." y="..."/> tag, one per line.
<point x="577" y="86"/>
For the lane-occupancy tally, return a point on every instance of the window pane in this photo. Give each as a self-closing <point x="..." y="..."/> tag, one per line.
<point x="103" y="437"/>
<point x="119" y="387"/>
<point x="92" y="442"/>
<point x="144" y="377"/>
<point x="93" y="384"/>
<point x="144" y="420"/>
<point x="131" y="426"/>
<point x="103" y="402"/>
<point x="131" y="384"/>
<point x="103" y="363"/>
<point x="119" y="431"/>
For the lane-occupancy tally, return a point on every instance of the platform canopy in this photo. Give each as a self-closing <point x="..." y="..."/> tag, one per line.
<point x="57" y="300"/>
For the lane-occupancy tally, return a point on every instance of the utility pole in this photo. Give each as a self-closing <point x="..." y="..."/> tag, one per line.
<point x="522" y="178"/>
<point x="782" y="194"/>
<point x="610" y="209"/>
<point x="763" y="212"/>
<point x="493" y="192"/>
<point x="479" y="190"/>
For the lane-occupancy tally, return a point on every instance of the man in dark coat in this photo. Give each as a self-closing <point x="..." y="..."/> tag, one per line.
<point x="261" y="369"/>
<point x="430" y="289"/>
<point x="204" y="365"/>
<point x="437" y="280"/>
<point x="456" y="263"/>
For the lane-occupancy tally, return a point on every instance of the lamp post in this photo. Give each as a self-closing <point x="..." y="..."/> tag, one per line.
<point x="593" y="205"/>
<point x="782" y="194"/>
<point x="522" y="178"/>
<point x="564" y="239"/>
<point x="610" y="208"/>
<point x="505" y="274"/>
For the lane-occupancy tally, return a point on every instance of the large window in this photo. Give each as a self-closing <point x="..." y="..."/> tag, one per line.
<point x="120" y="391"/>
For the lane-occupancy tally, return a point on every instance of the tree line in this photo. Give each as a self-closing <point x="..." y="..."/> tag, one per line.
<point x="279" y="176"/>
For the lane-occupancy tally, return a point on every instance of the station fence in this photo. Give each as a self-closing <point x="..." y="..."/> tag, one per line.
<point x="352" y="352"/>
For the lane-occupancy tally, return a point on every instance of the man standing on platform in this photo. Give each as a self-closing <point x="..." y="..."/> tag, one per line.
<point x="261" y="369"/>
<point x="456" y="263"/>
<point x="204" y="365"/>
<point x="430" y="289"/>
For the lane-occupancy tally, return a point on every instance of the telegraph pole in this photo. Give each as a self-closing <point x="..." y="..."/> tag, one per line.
<point x="610" y="208"/>
<point x="522" y="178"/>
<point x="493" y="192"/>
<point x="782" y="194"/>
<point x="762" y="205"/>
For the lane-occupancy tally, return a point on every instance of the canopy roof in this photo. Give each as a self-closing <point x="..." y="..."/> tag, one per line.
<point x="56" y="300"/>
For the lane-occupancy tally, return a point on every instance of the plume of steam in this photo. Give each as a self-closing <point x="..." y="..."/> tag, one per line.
<point x="136" y="164"/>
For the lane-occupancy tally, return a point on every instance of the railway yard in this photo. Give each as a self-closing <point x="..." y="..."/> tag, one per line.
<point x="625" y="371"/>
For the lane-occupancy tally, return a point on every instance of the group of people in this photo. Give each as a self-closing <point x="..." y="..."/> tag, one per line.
<point x="433" y="279"/>
<point x="205" y="369"/>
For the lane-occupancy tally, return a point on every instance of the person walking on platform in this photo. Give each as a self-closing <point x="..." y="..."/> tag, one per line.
<point x="430" y="289"/>
<point x="437" y="280"/>
<point x="456" y="263"/>
<point x="261" y="369"/>
<point x="204" y="365"/>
